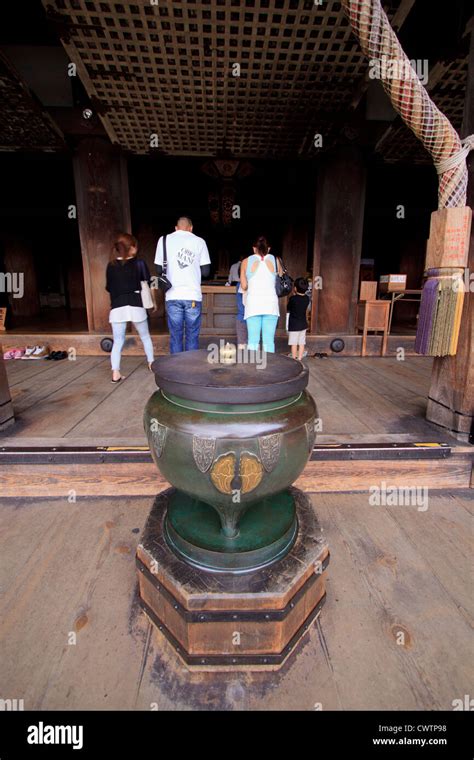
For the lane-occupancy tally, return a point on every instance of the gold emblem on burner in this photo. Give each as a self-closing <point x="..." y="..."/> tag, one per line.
<point x="251" y="471"/>
<point x="223" y="472"/>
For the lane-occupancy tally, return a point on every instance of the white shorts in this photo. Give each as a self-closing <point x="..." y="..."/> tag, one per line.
<point x="297" y="338"/>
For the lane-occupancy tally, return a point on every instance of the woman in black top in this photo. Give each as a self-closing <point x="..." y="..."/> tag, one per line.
<point x="124" y="276"/>
<point x="298" y="322"/>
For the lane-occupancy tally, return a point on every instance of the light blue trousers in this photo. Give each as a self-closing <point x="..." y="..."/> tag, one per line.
<point x="119" y="330"/>
<point x="266" y="325"/>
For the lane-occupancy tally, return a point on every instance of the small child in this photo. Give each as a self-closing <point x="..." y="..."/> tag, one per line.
<point x="298" y="323"/>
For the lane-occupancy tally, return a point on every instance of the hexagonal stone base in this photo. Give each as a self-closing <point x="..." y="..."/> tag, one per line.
<point x="223" y="620"/>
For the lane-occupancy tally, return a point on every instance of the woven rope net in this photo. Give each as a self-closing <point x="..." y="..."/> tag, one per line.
<point x="409" y="97"/>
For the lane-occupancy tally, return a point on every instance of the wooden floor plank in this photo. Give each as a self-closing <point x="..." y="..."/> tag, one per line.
<point x="26" y="393"/>
<point x="335" y="417"/>
<point x="386" y="380"/>
<point x="354" y="623"/>
<point x="465" y="503"/>
<point x="355" y="396"/>
<point x="337" y="393"/>
<point x="61" y="411"/>
<point x="443" y="536"/>
<point x="131" y="394"/>
<point x="400" y="373"/>
<point x="139" y="479"/>
<point x="68" y="568"/>
<point x="387" y="375"/>
<point x="20" y="370"/>
<point x="398" y="406"/>
<point x="379" y="413"/>
<point x="411" y="603"/>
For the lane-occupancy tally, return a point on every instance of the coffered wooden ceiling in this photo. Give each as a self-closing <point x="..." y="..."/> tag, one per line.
<point x="167" y="69"/>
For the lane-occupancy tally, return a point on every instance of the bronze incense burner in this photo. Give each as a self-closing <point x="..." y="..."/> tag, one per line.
<point x="231" y="439"/>
<point x="232" y="561"/>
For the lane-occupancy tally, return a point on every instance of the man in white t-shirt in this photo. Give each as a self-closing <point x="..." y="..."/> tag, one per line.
<point x="187" y="261"/>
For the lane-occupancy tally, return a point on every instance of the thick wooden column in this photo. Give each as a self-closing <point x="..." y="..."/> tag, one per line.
<point x="19" y="260"/>
<point x="103" y="210"/>
<point x="6" y="407"/>
<point x="451" y="395"/>
<point x="340" y="201"/>
<point x="294" y="248"/>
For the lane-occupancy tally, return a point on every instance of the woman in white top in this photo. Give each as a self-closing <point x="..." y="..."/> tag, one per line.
<point x="124" y="276"/>
<point x="257" y="277"/>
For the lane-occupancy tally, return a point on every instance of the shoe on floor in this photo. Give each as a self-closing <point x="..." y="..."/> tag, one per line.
<point x="28" y="351"/>
<point x="40" y="352"/>
<point x="14" y="353"/>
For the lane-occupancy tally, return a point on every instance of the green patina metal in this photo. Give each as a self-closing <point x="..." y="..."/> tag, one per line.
<point x="265" y="532"/>
<point x="231" y="461"/>
<point x="230" y="408"/>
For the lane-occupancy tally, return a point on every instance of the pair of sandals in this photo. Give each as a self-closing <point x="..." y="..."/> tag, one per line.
<point x="123" y="378"/>
<point x="57" y="355"/>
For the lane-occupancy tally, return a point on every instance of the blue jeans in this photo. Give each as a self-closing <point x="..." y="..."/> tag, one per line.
<point x="265" y="324"/>
<point x="240" y="307"/>
<point x="119" y="329"/>
<point x="183" y="318"/>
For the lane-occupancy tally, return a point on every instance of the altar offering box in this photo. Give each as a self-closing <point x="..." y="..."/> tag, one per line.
<point x="390" y="282"/>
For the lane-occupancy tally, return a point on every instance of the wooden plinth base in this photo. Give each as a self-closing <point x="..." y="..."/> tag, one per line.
<point x="227" y="621"/>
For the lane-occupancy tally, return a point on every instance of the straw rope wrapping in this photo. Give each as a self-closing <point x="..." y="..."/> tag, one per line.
<point x="380" y="43"/>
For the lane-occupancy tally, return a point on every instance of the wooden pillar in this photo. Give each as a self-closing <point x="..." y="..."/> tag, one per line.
<point x="295" y="248"/>
<point x="103" y="210"/>
<point x="6" y="407"/>
<point x="451" y="395"/>
<point x="18" y="258"/>
<point x="340" y="201"/>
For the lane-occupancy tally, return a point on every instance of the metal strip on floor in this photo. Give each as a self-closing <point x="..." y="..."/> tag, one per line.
<point x="126" y="454"/>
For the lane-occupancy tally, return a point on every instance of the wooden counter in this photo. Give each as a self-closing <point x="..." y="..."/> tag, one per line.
<point x="219" y="309"/>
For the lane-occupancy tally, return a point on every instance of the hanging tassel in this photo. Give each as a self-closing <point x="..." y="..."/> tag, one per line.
<point x="439" y="319"/>
<point x="442" y="298"/>
<point x="428" y="308"/>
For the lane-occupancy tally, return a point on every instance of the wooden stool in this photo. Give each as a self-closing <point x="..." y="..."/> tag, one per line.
<point x="374" y="316"/>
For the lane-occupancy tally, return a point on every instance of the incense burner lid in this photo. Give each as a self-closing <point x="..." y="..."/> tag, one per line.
<point x="194" y="376"/>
